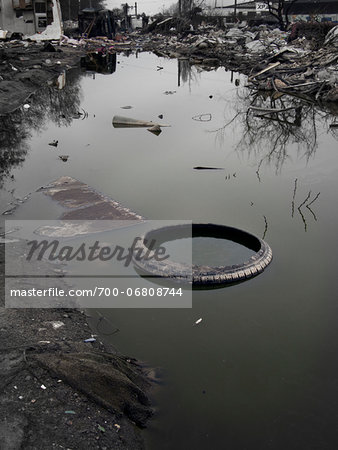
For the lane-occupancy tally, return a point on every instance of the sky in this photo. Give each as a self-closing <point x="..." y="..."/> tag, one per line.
<point x="155" y="6"/>
<point x="147" y="6"/>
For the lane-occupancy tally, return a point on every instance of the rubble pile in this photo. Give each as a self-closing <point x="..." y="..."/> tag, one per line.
<point x="273" y="59"/>
<point x="295" y="68"/>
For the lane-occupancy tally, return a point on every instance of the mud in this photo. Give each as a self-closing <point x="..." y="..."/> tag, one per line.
<point x="58" y="391"/>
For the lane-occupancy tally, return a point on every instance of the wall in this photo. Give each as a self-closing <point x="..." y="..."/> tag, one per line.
<point x="23" y="24"/>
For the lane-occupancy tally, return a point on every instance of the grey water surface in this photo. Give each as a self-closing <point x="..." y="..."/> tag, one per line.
<point x="260" y="371"/>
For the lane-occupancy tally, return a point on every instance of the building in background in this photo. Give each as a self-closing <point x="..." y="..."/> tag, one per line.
<point x="29" y="16"/>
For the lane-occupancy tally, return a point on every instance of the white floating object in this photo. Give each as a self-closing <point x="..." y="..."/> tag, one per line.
<point x="198" y="321"/>
<point x="26" y="106"/>
<point x="43" y="387"/>
<point x="57" y="324"/>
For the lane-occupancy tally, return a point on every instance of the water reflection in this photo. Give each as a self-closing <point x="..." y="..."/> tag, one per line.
<point x="186" y="73"/>
<point x="271" y="127"/>
<point x="52" y="103"/>
<point x="99" y="62"/>
<point x="306" y="203"/>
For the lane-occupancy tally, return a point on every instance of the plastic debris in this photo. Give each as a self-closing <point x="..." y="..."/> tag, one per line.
<point x="70" y="412"/>
<point x="90" y="340"/>
<point x="198" y="321"/>
<point x="57" y="324"/>
<point x="53" y="143"/>
<point x="203" y="117"/>
<point x="43" y="387"/>
<point x="128" y="122"/>
<point x="64" y="158"/>
<point x="156" y="129"/>
<point x="208" y="168"/>
<point x="102" y="429"/>
<point x="26" y="106"/>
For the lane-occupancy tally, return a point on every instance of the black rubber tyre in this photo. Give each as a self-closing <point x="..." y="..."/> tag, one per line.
<point x="204" y="275"/>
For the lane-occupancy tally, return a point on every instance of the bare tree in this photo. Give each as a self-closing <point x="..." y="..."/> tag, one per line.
<point x="280" y="9"/>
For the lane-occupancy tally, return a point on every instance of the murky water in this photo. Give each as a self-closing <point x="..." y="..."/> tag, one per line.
<point x="260" y="370"/>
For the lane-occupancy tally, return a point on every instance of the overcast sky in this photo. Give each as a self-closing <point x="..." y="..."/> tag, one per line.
<point x="147" y="6"/>
<point x="155" y="6"/>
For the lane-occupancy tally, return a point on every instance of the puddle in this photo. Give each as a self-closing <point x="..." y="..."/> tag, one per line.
<point x="260" y="370"/>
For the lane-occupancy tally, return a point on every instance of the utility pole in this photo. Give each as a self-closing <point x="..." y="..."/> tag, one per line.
<point x="136" y="9"/>
<point x="180" y="8"/>
<point x="235" y="10"/>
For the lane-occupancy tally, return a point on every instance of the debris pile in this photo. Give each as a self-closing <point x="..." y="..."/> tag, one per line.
<point x="302" y="67"/>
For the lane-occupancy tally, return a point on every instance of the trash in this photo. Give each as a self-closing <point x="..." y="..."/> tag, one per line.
<point x="3" y="34"/>
<point x="126" y="107"/>
<point x="61" y="80"/>
<point x="160" y="116"/>
<point x="64" y="158"/>
<point x="57" y="324"/>
<point x="102" y="429"/>
<point x="90" y="340"/>
<point x="82" y="203"/>
<point x="70" y="412"/>
<point x="272" y="66"/>
<point x="332" y="37"/>
<point x="116" y="425"/>
<point x="26" y="106"/>
<point x="198" y="321"/>
<point x="156" y="129"/>
<point x="20" y="397"/>
<point x="169" y="92"/>
<point x="128" y="122"/>
<point x="48" y="47"/>
<point x="43" y="387"/>
<point x="203" y="117"/>
<point x="255" y="46"/>
<point x="53" y="143"/>
<point x="208" y="168"/>
<point x="33" y="400"/>
<point x="83" y="115"/>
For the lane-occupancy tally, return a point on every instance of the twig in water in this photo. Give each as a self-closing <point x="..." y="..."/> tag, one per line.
<point x="307" y="198"/>
<point x="293" y="198"/>
<point x="314" y="215"/>
<point x="313" y="200"/>
<point x="303" y="219"/>
<point x="266" y="227"/>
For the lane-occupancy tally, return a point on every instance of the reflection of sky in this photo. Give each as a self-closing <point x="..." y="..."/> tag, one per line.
<point x="156" y="6"/>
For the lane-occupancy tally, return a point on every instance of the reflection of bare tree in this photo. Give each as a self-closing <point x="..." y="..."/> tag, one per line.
<point x="305" y="203"/>
<point x="49" y="104"/>
<point x="186" y="72"/>
<point x="272" y="127"/>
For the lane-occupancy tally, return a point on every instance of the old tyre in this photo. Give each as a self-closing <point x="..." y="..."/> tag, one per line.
<point x="203" y="275"/>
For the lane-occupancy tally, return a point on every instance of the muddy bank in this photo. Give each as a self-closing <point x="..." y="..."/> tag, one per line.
<point x="58" y="391"/>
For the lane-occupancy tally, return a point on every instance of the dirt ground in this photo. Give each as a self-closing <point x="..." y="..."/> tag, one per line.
<point x="58" y="391"/>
